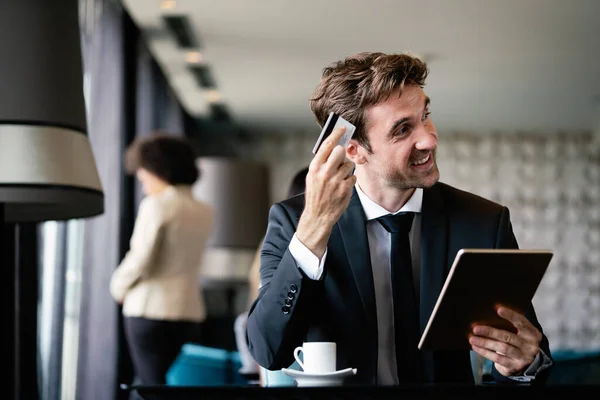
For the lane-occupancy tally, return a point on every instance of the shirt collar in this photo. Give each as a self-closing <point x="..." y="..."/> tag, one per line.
<point x="374" y="210"/>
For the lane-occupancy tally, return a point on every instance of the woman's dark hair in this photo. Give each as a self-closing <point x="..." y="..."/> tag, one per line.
<point x="298" y="184"/>
<point x="169" y="157"/>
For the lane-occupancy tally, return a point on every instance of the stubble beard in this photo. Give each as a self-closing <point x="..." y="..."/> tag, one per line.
<point x="403" y="181"/>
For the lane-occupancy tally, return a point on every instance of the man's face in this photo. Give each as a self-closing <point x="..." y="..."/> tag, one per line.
<point x="403" y="141"/>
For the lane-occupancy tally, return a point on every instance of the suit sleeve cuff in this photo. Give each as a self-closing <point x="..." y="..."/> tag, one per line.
<point x="540" y="363"/>
<point x="306" y="260"/>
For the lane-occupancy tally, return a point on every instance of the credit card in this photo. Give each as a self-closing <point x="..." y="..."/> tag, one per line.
<point x="335" y="121"/>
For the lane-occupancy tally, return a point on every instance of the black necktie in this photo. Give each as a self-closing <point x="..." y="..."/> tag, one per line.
<point x="406" y="315"/>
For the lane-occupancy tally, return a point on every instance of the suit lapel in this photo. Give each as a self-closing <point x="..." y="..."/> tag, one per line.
<point x="434" y="249"/>
<point x="434" y="242"/>
<point x="353" y="229"/>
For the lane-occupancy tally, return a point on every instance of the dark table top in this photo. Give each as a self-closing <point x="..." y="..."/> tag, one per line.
<point x="485" y="391"/>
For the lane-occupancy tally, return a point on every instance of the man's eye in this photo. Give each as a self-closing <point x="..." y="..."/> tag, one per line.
<point x="402" y="131"/>
<point x="426" y="115"/>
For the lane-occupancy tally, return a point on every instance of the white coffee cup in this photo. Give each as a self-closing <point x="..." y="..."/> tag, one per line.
<point x="317" y="357"/>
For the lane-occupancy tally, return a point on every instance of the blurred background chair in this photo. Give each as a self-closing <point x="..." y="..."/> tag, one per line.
<point x="198" y="365"/>
<point x="573" y="367"/>
<point x="278" y="378"/>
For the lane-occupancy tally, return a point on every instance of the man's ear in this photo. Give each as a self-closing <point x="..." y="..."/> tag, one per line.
<point x="354" y="152"/>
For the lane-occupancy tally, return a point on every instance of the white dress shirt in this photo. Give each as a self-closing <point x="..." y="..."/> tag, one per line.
<point x="380" y="248"/>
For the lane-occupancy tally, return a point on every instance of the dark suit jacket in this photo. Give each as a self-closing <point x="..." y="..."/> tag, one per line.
<point x="340" y="307"/>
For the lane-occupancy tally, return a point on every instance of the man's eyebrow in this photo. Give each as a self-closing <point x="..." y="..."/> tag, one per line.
<point x="398" y="123"/>
<point x="401" y="121"/>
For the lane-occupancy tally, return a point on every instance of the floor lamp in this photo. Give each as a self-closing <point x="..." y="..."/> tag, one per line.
<point x="239" y="192"/>
<point x="47" y="168"/>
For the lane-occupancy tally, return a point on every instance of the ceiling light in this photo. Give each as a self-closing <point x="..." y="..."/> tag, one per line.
<point x="213" y="96"/>
<point x="193" y="57"/>
<point x="167" y="4"/>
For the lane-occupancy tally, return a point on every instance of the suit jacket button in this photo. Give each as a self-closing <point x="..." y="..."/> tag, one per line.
<point x="291" y="296"/>
<point x="293" y="288"/>
<point x="288" y="302"/>
<point x="285" y="309"/>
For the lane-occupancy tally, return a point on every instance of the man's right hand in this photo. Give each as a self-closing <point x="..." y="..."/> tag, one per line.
<point x="329" y="184"/>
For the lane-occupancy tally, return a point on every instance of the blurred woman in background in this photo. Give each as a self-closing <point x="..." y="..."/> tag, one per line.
<point x="157" y="282"/>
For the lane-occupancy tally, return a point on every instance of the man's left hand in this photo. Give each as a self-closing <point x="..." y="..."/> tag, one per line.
<point x="510" y="352"/>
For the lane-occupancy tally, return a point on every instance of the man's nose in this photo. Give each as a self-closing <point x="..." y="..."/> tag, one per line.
<point x="426" y="138"/>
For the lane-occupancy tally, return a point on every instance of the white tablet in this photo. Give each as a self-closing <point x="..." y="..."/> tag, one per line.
<point x="479" y="280"/>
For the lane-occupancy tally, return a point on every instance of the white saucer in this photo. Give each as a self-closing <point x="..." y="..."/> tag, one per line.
<point x="328" y="379"/>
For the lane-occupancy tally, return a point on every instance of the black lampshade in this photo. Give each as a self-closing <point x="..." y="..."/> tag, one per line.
<point x="239" y="192"/>
<point x="47" y="168"/>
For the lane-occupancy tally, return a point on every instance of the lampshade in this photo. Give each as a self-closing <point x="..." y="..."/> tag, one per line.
<point x="47" y="168"/>
<point x="239" y="191"/>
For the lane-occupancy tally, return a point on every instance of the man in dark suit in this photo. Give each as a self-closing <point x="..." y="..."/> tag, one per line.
<point x="329" y="268"/>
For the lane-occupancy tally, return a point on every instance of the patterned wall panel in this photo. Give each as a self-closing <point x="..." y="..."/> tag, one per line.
<point x="550" y="183"/>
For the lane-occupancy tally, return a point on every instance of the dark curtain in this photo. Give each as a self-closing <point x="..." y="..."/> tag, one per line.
<point x="128" y="97"/>
<point x="99" y="317"/>
<point x="157" y="105"/>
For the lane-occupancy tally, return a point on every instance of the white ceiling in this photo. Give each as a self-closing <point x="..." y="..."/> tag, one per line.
<point x="495" y="65"/>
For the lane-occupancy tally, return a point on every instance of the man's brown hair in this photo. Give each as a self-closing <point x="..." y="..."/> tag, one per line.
<point x="361" y="80"/>
<point x="169" y="157"/>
